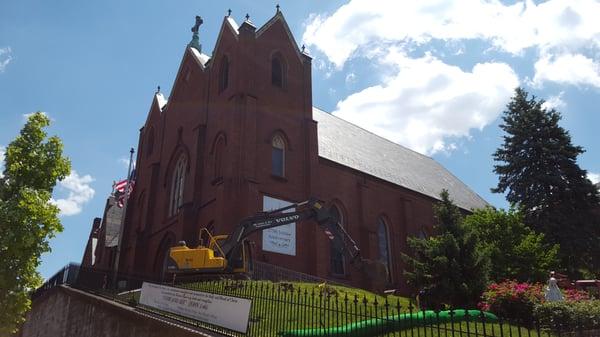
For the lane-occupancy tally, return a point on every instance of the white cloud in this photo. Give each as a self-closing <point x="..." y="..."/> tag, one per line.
<point x="425" y="101"/>
<point x="80" y="192"/>
<point x="561" y="31"/>
<point x="5" y="58"/>
<point x="549" y="26"/>
<point x="575" y="69"/>
<point x="124" y="161"/>
<point x="594" y="177"/>
<point x="555" y="102"/>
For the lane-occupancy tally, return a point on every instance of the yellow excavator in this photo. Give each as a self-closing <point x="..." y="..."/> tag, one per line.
<point x="231" y="254"/>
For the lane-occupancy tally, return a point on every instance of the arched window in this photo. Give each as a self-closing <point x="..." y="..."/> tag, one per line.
<point x="278" y="156"/>
<point x="336" y="256"/>
<point x="384" y="246"/>
<point x="278" y="71"/>
<point x="177" y="186"/>
<point x="219" y="152"/>
<point x="224" y="74"/>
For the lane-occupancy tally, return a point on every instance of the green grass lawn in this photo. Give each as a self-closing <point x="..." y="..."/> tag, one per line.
<point x="293" y="305"/>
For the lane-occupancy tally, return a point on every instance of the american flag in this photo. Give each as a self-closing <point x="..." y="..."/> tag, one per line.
<point x="119" y="188"/>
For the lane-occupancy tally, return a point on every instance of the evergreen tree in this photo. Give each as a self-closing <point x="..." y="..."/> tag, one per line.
<point x="538" y="171"/>
<point x="447" y="268"/>
<point x="33" y="165"/>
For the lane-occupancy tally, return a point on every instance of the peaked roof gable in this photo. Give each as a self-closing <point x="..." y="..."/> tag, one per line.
<point x="279" y="17"/>
<point x="202" y="60"/>
<point x="159" y="102"/>
<point x="228" y="25"/>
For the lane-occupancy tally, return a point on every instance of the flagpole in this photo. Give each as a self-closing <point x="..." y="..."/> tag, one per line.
<point x="126" y="197"/>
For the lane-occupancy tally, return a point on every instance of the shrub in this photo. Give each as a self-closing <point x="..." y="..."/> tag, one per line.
<point x="517" y="251"/>
<point x="568" y="315"/>
<point x="512" y="300"/>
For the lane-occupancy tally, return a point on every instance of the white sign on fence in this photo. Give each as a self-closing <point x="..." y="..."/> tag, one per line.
<point x="225" y="311"/>
<point x="280" y="239"/>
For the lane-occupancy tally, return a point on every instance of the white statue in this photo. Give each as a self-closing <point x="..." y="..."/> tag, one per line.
<point x="552" y="293"/>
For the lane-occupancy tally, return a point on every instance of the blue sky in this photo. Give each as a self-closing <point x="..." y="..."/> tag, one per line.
<point x="433" y="76"/>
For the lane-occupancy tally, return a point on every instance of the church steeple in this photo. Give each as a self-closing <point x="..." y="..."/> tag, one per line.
<point x="195" y="38"/>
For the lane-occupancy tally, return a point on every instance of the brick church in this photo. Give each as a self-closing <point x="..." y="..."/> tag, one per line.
<point x="239" y="134"/>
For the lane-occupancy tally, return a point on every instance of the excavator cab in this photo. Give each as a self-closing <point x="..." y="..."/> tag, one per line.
<point x="208" y="258"/>
<point x="239" y="260"/>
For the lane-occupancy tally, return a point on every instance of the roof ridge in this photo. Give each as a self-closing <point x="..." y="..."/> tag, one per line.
<point x="374" y="134"/>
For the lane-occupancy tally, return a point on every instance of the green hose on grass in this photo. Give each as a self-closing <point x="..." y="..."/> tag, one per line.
<point x="378" y="326"/>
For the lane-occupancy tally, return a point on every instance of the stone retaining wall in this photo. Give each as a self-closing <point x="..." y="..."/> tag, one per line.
<point x="65" y="312"/>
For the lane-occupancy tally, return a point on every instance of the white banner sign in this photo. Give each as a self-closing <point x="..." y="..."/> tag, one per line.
<point x="225" y="311"/>
<point x="280" y="239"/>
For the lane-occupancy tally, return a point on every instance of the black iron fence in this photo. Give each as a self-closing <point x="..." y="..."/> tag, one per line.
<point x="292" y="309"/>
<point x="66" y="275"/>
<point x="313" y="309"/>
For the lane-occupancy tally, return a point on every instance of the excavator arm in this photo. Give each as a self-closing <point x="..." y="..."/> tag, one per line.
<point x="307" y="210"/>
<point x="265" y="220"/>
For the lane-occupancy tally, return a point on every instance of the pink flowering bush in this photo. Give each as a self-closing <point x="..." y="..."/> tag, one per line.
<point x="516" y="301"/>
<point x="574" y="295"/>
<point x="512" y="300"/>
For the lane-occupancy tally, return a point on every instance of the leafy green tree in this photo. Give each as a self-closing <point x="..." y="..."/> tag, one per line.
<point x="33" y="165"/>
<point x="447" y="268"/>
<point x="515" y="250"/>
<point x="537" y="169"/>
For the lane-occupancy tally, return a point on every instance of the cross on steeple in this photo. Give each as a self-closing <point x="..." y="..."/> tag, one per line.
<point x="229" y="12"/>
<point x="195" y="39"/>
<point x="158" y="89"/>
<point x="277" y="6"/>
<point x="247" y="17"/>
<point x="199" y="21"/>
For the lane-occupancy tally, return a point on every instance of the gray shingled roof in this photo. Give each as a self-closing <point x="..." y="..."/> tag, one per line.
<point x="349" y="145"/>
